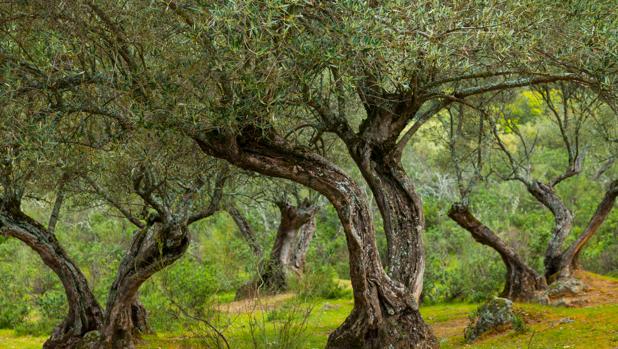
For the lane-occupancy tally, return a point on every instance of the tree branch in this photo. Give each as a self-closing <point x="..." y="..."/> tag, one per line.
<point x="55" y="214"/>
<point x="509" y="84"/>
<point x="125" y="212"/>
<point x="215" y="201"/>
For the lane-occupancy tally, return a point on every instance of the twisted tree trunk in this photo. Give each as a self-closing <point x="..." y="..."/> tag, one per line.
<point x="292" y="219"/>
<point x="401" y="209"/>
<point x="153" y="248"/>
<point x="522" y="282"/>
<point x="385" y="314"/>
<point x="568" y="259"/>
<point x="273" y="276"/>
<point x="563" y="222"/>
<point x="84" y="312"/>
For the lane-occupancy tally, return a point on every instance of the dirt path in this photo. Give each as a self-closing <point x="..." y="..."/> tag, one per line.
<point x="252" y="304"/>
<point x="450" y="328"/>
<point x="601" y="290"/>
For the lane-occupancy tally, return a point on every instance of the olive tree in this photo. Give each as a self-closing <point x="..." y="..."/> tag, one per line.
<point x="297" y="226"/>
<point x="572" y="110"/>
<point x="240" y="79"/>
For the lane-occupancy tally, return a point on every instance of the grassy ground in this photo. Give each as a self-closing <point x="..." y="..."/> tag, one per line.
<point x="593" y="326"/>
<point x="8" y="340"/>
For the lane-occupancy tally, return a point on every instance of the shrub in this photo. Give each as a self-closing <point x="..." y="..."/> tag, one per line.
<point x="321" y="282"/>
<point x="51" y="304"/>
<point x="282" y="328"/>
<point x="12" y="312"/>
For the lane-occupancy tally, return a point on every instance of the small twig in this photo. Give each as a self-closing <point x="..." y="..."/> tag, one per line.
<point x="530" y="340"/>
<point x="197" y="318"/>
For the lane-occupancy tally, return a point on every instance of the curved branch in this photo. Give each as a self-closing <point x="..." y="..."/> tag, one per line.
<point x="125" y="212"/>
<point x="215" y="201"/>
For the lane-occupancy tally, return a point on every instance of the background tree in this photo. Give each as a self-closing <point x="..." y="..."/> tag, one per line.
<point x="570" y="117"/>
<point x="169" y="187"/>
<point x="296" y="230"/>
<point x="37" y="159"/>
<point x="467" y="144"/>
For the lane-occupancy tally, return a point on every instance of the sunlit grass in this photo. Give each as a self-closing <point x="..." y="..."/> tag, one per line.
<point x="8" y="340"/>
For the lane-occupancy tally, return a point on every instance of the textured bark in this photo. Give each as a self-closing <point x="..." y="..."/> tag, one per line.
<point x="153" y="248"/>
<point x="273" y="276"/>
<point x="401" y="209"/>
<point x="563" y="222"/>
<point x="299" y="254"/>
<point x="139" y="317"/>
<point x="522" y="282"/>
<point x="568" y="260"/>
<point x="385" y="314"/>
<point x="376" y="149"/>
<point x="292" y="219"/>
<point x="84" y="312"/>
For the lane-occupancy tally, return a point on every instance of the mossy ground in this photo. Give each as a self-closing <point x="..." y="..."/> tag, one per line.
<point x="592" y="326"/>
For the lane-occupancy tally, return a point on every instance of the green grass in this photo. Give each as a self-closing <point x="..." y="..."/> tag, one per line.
<point x="325" y="316"/>
<point x="593" y="327"/>
<point x="8" y="340"/>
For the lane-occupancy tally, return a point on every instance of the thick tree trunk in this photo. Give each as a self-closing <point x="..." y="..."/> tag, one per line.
<point x="563" y="222"/>
<point x="568" y="261"/>
<point x="84" y="312"/>
<point x="293" y="219"/>
<point x="522" y="282"/>
<point x="385" y="313"/>
<point x="273" y="276"/>
<point x="299" y="254"/>
<point x="402" y="213"/>
<point x="153" y="248"/>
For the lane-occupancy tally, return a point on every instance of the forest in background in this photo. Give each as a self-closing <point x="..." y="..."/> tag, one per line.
<point x="164" y="161"/>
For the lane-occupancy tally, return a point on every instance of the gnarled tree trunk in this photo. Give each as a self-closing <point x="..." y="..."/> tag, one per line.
<point x="385" y="313"/>
<point x="522" y="282"/>
<point x="272" y="277"/>
<point x="84" y="312"/>
<point x="299" y="253"/>
<point x="568" y="259"/>
<point x="401" y="209"/>
<point x="563" y="222"/>
<point x="153" y="248"/>
<point x="292" y="219"/>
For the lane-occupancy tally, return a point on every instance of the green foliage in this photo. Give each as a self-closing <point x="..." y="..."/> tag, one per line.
<point x="12" y="311"/>
<point x="282" y="328"/>
<point x="319" y="282"/>
<point x="15" y="298"/>
<point x="52" y="304"/>
<point x="186" y="285"/>
<point x="41" y="327"/>
<point x="328" y="246"/>
<point x="519" y="325"/>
